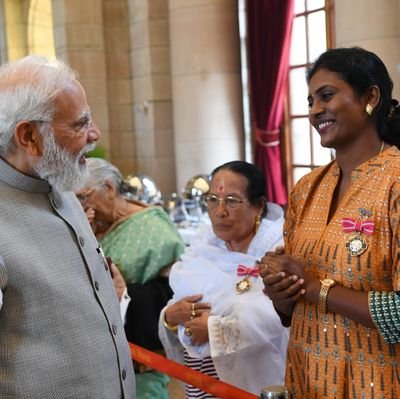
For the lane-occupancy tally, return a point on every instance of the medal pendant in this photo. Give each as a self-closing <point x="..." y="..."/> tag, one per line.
<point x="243" y="285"/>
<point x="356" y="245"/>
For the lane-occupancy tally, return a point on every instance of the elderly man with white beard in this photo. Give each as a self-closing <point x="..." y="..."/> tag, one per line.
<point x="61" y="333"/>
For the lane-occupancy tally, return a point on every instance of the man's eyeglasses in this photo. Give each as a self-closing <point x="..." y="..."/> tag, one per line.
<point x="81" y="125"/>
<point x="212" y="201"/>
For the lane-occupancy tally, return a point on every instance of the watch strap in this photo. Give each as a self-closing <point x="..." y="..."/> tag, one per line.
<point x="323" y="296"/>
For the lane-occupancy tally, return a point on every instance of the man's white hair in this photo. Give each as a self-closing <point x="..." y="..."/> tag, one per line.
<point x="28" y="88"/>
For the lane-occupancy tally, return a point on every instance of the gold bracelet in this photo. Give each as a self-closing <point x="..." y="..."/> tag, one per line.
<point x="168" y="326"/>
<point x="326" y="284"/>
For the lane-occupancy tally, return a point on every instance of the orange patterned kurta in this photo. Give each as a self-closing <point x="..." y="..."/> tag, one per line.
<point x="331" y="356"/>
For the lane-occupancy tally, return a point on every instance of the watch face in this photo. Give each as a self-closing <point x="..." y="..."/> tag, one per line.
<point x="328" y="281"/>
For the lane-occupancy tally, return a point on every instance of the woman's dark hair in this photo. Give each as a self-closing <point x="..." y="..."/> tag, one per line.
<point x="362" y="69"/>
<point x="256" y="189"/>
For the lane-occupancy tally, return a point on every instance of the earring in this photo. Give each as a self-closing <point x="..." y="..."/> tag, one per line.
<point x="258" y="222"/>
<point x="369" y="109"/>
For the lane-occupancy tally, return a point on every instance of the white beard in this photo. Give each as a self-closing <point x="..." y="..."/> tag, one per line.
<point x="59" y="167"/>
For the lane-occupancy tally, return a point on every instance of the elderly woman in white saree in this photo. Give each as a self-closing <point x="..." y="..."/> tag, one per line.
<point x="219" y="321"/>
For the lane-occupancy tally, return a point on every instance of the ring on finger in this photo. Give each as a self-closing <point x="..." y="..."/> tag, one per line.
<point x="193" y="314"/>
<point x="262" y="267"/>
<point x="187" y="332"/>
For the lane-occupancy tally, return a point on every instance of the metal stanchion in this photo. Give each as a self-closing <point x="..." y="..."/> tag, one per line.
<point x="275" y="392"/>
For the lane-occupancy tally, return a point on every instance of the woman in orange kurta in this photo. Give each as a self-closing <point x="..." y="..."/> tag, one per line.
<point x="336" y="282"/>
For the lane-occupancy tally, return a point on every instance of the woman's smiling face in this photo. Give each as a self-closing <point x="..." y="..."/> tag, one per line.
<point x="336" y="110"/>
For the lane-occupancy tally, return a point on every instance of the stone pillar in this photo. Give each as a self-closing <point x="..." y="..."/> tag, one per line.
<point x="207" y="94"/>
<point x="26" y="28"/>
<point x="40" y="30"/>
<point x="3" y="42"/>
<point x="15" y="28"/>
<point x="119" y="85"/>
<point x="378" y="30"/>
<point x="79" y="41"/>
<point x="152" y="91"/>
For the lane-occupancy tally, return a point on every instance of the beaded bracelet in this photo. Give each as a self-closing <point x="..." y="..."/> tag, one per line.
<point x="384" y="308"/>
<point x="168" y="326"/>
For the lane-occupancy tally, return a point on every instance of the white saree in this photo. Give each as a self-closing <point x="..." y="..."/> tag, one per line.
<point x="247" y="342"/>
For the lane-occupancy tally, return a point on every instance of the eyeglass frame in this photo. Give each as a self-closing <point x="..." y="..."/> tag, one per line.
<point x="81" y="125"/>
<point x="236" y="200"/>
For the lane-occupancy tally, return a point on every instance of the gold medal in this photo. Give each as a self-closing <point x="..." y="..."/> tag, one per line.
<point x="356" y="245"/>
<point x="242" y="270"/>
<point x="243" y="285"/>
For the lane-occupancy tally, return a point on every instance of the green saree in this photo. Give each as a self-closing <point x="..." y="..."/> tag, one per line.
<point x="142" y="244"/>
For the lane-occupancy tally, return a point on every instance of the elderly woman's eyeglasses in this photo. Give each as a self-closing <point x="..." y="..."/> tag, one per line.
<point x="212" y="201"/>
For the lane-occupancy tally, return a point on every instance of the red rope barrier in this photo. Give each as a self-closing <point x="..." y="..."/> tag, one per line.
<point x="176" y="370"/>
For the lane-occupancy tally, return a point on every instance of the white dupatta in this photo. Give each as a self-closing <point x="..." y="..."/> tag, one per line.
<point x="246" y="335"/>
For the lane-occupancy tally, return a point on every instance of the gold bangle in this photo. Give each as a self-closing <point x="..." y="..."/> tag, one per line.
<point x="168" y="326"/>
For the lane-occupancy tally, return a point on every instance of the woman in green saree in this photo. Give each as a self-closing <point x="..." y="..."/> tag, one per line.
<point x="143" y="243"/>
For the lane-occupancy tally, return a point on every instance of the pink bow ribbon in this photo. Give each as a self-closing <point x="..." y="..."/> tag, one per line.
<point x="362" y="226"/>
<point x="247" y="271"/>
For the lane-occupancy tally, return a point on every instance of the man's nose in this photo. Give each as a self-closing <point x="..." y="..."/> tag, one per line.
<point x="93" y="132"/>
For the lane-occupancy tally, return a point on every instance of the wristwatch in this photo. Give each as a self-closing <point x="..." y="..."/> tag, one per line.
<point x="326" y="284"/>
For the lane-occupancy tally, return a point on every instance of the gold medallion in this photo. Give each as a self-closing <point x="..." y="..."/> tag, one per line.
<point x="356" y="245"/>
<point x="243" y="285"/>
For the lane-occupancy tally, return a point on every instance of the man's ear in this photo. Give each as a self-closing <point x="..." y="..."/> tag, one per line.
<point x="28" y="138"/>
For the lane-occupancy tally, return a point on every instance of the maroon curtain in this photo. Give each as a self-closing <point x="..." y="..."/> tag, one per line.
<point x="269" y="25"/>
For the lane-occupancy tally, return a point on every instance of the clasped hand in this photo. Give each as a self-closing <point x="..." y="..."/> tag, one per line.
<point x="191" y="314"/>
<point x="284" y="279"/>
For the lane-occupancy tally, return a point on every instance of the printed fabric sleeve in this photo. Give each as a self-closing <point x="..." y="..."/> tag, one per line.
<point x="394" y="218"/>
<point x="384" y="307"/>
